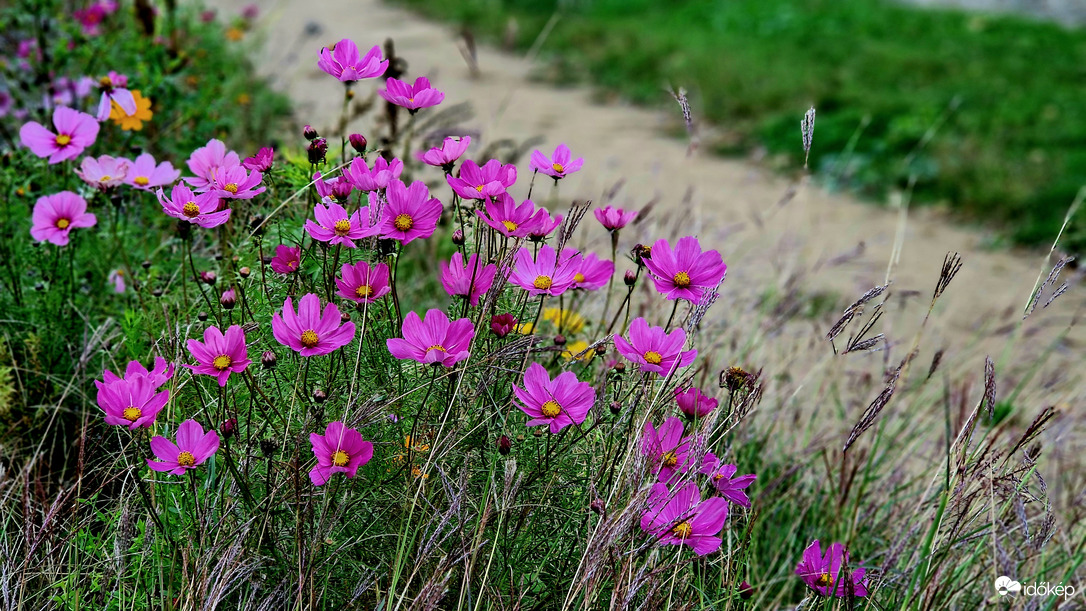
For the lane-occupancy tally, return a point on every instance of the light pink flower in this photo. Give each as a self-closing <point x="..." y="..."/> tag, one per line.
<point x="343" y="61"/>
<point x="287" y="259"/>
<point x="146" y="175"/>
<point x="338" y="450"/>
<point x="219" y="354"/>
<point x="682" y="518"/>
<point x="363" y="283"/>
<point x="559" y="166"/>
<point x="614" y="219"/>
<point x="557" y="403"/>
<point x="104" y="172"/>
<point x="411" y="97"/>
<point x="410" y="212"/>
<point x="309" y="331"/>
<point x="116" y="278"/>
<point x="55" y="216"/>
<point x="199" y="209"/>
<point x="471" y="280"/>
<point x="193" y="447"/>
<point x="237" y="183"/>
<point x="75" y="132"/>
<point x="366" y="179"/>
<point x="114" y="88"/>
<point x="206" y="161"/>
<point x="433" y="341"/>
<point x="446" y="155"/>
<point x="550" y="273"/>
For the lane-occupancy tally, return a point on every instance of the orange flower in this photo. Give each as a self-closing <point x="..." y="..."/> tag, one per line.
<point x="234" y="34"/>
<point x="133" y="122"/>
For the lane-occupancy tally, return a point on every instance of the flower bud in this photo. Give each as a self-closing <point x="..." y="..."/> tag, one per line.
<point x="642" y="252"/>
<point x="310" y="133"/>
<point x="201" y="316"/>
<point x="746" y="591"/>
<point x="319" y="396"/>
<point x="318" y="150"/>
<point x="616" y="407"/>
<point x="157" y="292"/>
<point x="345" y="316"/>
<point x="619" y="367"/>
<point x="268" y="359"/>
<point x="559" y="340"/>
<point x="458" y="237"/>
<point x="228" y="427"/>
<point x="208" y="278"/>
<point x="341" y="190"/>
<point x="358" y="142"/>
<point x="146" y="265"/>
<point x="597" y="507"/>
<point x="39" y="287"/>
<point x="244" y="272"/>
<point x="502" y="324"/>
<point x="504" y="445"/>
<point x="228" y="299"/>
<point x="630" y="278"/>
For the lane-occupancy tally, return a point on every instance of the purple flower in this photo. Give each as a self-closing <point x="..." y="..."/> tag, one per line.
<point x="219" y="355"/>
<point x="207" y="161"/>
<point x="116" y="278"/>
<point x="159" y="375"/>
<point x="202" y="209"/>
<point x="558" y="403"/>
<point x="410" y="212"/>
<point x="502" y="324"/>
<point x="614" y="219"/>
<point x="823" y="573"/>
<point x="363" y="283"/>
<point x="261" y="162"/>
<point x="337" y="188"/>
<point x="335" y="227"/>
<point x="543" y="225"/>
<point x="131" y="402"/>
<point x="104" y="172"/>
<point x="338" y="450"/>
<point x="560" y="166"/>
<point x="477" y="182"/>
<point x="550" y="274"/>
<point x="655" y="349"/>
<point x="727" y="486"/>
<point x="343" y="61"/>
<point x="411" y="97"/>
<point x="685" y="272"/>
<point x="511" y="220"/>
<point x="193" y="447"/>
<point x="308" y="331"/>
<point x="287" y="259"/>
<point x="683" y="518"/>
<point x="75" y="132"/>
<point x="471" y="280"/>
<point x="114" y="88"/>
<point x="433" y="339"/>
<point x="593" y="273"/>
<point x="236" y="183"/>
<point x="366" y="179"/>
<point x="446" y="155"/>
<point x="145" y="174"/>
<point x="55" y="216"/>
<point x="694" y="403"/>
<point x="667" y="449"/>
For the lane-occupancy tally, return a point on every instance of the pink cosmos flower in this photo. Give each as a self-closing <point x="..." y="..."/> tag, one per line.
<point x="667" y="449"/>
<point x="558" y="403"/>
<point x="411" y="97"/>
<point x="308" y="331"/>
<point x="236" y="183"/>
<point x="219" y="355"/>
<point x="193" y="447"/>
<point x="66" y="91"/>
<point x="202" y="209"/>
<point x="337" y="188"/>
<point x="550" y="274"/>
<point x="116" y="278"/>
<point x="90" y="18"/>
<point x="727" y="486"/>
<point x="75" y="132"/>
<point x="145" y="174"/>
<point x="261" y="162"/>
<point x="694" y="403"/>
<point x="682" y="518"/>
<point x="594" y="273"/>
<point x="543" y="225"/>
<point x="338" y="450"/>
<point x="343" y="61"/>
<point x="433" y="340"/>
<point x="161" y="373"/>
<point x="366" y="179"/>
<point x="446" y="155"/>
<point x="511" y="220"/>
<point x="114" y="88"/>
<point x="477" y="182"/>
<point x="685" y="272"/>
<point x="823" y="573"/>
<point x="560" y="166"/>
<point x="336" y="227"/>
<point x="410" y="213"/>
<point x="614" y="219"/>
<point x="471" y="280"/>
<point x="655" y="349"/>
<point x="363" y="283"/>
<point x="104" y="172"/>
<point x="287" y="259"/>
<point x="502" y="324"/>
<point x="55" y="216"/>
<point x="206" y="161"/>
<point x="131" y="402"/>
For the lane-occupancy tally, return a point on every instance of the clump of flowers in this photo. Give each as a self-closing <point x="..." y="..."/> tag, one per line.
<point x="827" y="575"/>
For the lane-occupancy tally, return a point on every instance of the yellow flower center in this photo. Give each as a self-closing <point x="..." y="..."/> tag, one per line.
<point x="412" y="100"/>
<point x="190" y="209"/>
<point x="824" y="580"/>
<point x="557" y="167"/>
<point x="653" y="358"/>
<point x="510" y="226"/>
<point x="682" y="530"/>
<point x="551" y="409"/>
<point x="63" y="139"/>
<point x="578" y="277"/>
<point x="480" y="188"/>
<point x="309" y="338"/>
<point x="231" y="187"/>
<point x="186" y="459"/>
<point x="718" y="477"/>
<point x="436" y="347"/>
<point x="142" y="181"/>
<point x="364" y="291"/>
<point x="132" y="413"/>
<point x="340" y="458"/>
<point x="670" y="459"/>
<point x="403" y="222"/>
<point x="542" y="282"/>
<point x="342" y="227"/>
<point x="682" y="280"/>
<point x="105" y="81"/>
<point x="63" y="223"/>
<point x="105" y="178"/>
<point x="221" y="362"/>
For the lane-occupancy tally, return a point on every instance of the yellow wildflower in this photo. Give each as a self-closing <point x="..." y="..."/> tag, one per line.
<point x="567" y="321"/>
<point x="576" y="348"/>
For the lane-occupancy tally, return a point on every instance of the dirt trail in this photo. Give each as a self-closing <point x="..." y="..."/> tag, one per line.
<point x="621" y="142"/>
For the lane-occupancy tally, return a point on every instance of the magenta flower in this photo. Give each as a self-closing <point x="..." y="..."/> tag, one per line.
<point x="614" y="219"/>
<point x="207" y="161"/>
<point x="343" y="61"/>
<point x="366" y="179"/>
<point x="433" y="340"/>
<point x="683" y="518"/>
<point x="309" y="332"/>
<point x="410" y="213"/>
<point x="685" y="272"/>
<point x="667" y="449"/>
<point x="104" y="172"/>
<point x="543" y="225"/>
<point x="655" y="349"/>
<point x="502" y="324"/>
<point x="511" y="220"/>
<point x="446" y="155"/>
<point x="411" y="97"/>
<point x="55" y="216"/>
<point x="477" y="182"/>
<point x="338" y="450"/>
<point x="114" y="88"/>
<point x="337" y="188"/>
<point x="471" y="280"/>
<point x="335" y="227"/>
<point x="549" y="274"/>
<point x="219" y="355"/>
<point x="558" y="403"/>
<point x="159" y="375"/>
<point x="287" y="259"/>
<point x="116" y="278"/>
<point x="560" y="166"/>
<point x="261" y="162"/>
<point x="131" y="402"/>
<point x="75" y="132"/>
<point x="202" y="209"/>
<point x="593" y="273"/>
<point x="90" y="18"/>
<point x="193" y="447"/>
<point x="363" y="283"/>
<point x="145" y="174"/>
<point x="727" y="486"/>
<point x="236" y="183"/>
<point x="823" y="573"/>
<point x="694" y="403"/>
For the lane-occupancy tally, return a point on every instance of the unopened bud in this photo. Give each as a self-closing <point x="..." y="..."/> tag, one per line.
<point x="244" y="272"/>
<point x="268" y="359"/>
<point x="201" y="316"/>
<point x="228" y="299"/>
<point x="157" y="292"/>
<point x="228" y="427"/>
<point x="208" y="278"/>
<point x="642" y="252"/>
<point x="630" y="278"/>
<point x="458" y="237"/>
<point x="619" y="367"/>
<point x="559" y="340"/>
<point x="319" y="395"/>
<point x="146" y="265"/>
<point x="345" y="316"/>
<point x="616" y="407"/>
<point x="597" y="506"/>
<point x="504" y="445"/>
<point x="310" y="133"/>
<point x="358" y="142"/>
<point x="256" y="224"/>
<point x="746" y="591"/>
